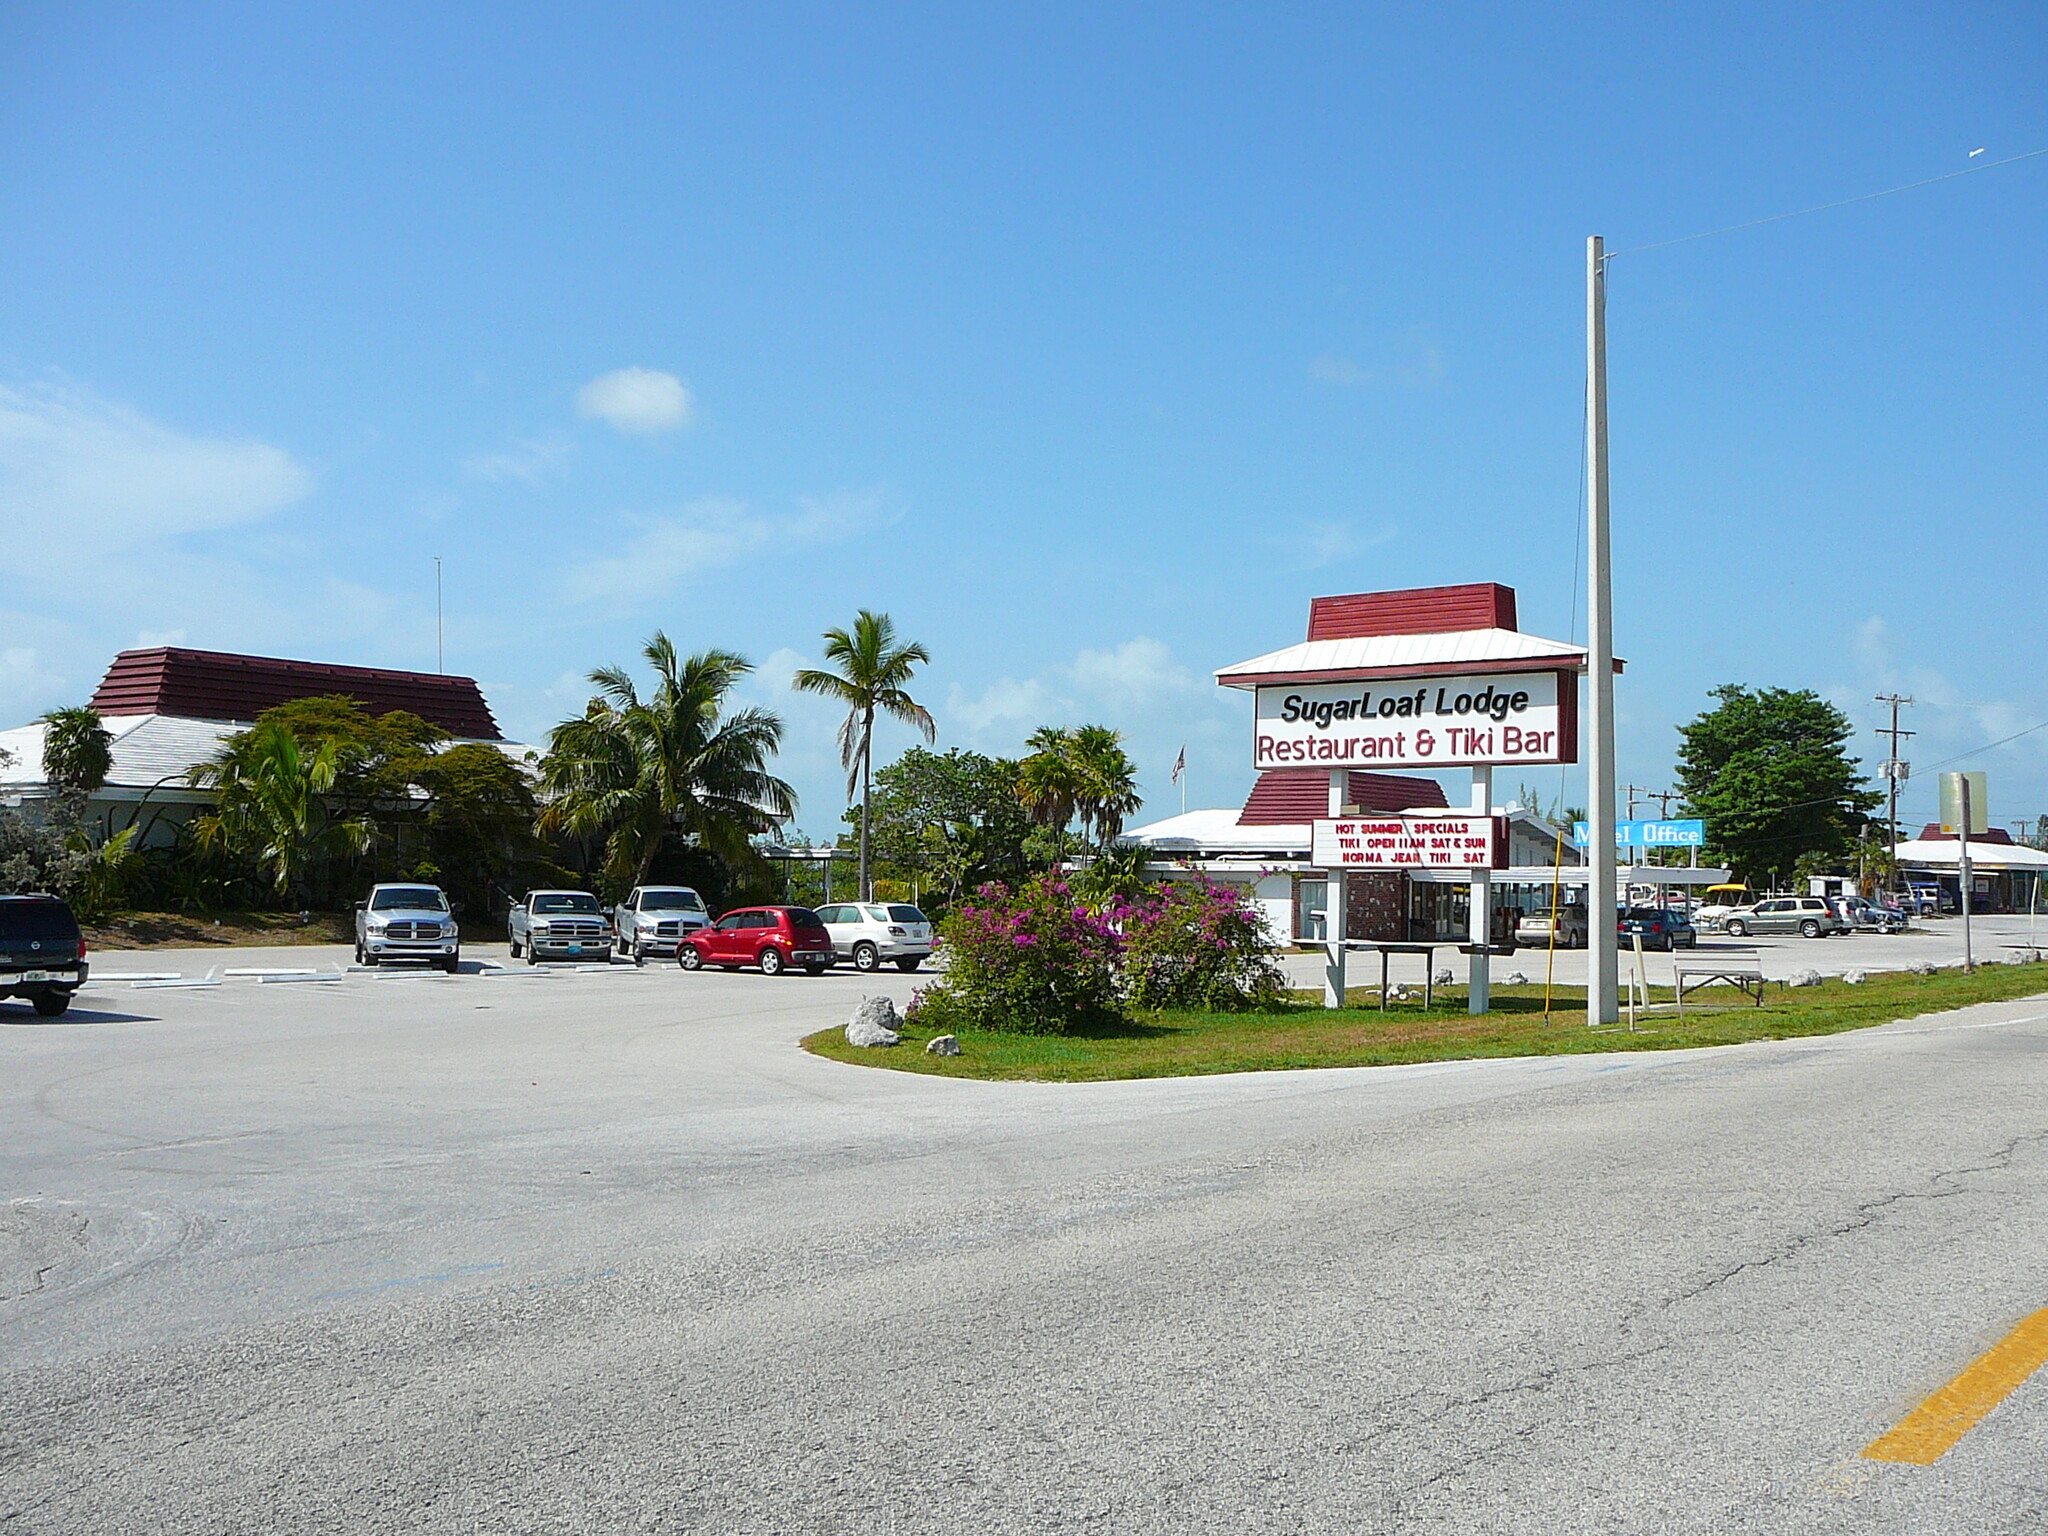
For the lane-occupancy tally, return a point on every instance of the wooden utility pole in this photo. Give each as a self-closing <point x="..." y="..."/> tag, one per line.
<point x="1604" y="971"/>
<point x="1894" y="775"/>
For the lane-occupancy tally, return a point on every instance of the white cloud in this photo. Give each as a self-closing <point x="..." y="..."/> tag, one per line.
<point x="82" y="478"/>
<point x="712" y="532"/>
<point x="23" y="677"/>
<point x="639" y="400"/>
<point x="1004" y="702"/>
<point x="528" y="459"/>
<point x="1332" y="369"/>
<point x="1315" y="545"/>
<point x="1139" y="671"/>
<point x="1410" y="360"/>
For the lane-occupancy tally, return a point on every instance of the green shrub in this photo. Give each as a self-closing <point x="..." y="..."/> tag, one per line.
<point x="1199" y="945"/>
<point x="1034" y="961"/>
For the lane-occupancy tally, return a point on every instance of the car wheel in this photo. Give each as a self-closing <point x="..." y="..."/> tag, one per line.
<point x="1809" y="929"/>
<point x="515" y="949"/>
<point x="1737" y="928"/>
<point x="866" y="957"/>
<point x="359" y="952"/>
<point x="451" y="964"/>
<point x="370" y="960"/>
<point x="690" y="957"/>
<point x="771" y="962"/>
<point x="531" y="957"/>
<point x="909" y="963"/>
<point x="51" y="1004"/>
<point x="639" y="957"/>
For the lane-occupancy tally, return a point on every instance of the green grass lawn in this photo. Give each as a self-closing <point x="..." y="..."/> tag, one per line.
<point x="1306" y="1035"/>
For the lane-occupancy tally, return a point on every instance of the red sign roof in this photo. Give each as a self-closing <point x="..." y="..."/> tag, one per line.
<point x="214" y="685"/>
<point x="1292" y="796"/>
<point x="1412" y="611"/>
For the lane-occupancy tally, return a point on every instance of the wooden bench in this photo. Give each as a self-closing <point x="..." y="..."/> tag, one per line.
<point x="1742" y="969"/>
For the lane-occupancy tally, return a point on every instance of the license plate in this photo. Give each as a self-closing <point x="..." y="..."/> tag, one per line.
<point x="575" y="949"/>
<point x="37" y="976"/>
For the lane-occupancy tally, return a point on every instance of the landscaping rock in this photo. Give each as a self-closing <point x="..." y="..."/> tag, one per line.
<point x="1806" y="978"/>
<point x="943" y="1045"/>
<point x="874" y="1022"/>
<point x="1445" y="976"/>
<point x="1922" y="967"/>
<point x="1514" y="979"/>
<point x="1854" y="978"/>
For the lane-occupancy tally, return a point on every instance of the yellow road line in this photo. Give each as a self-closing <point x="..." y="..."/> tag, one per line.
<point x="1923" y="1435"/>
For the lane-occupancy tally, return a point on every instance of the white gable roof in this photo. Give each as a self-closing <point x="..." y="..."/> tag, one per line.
<point x="1460" y="647"/>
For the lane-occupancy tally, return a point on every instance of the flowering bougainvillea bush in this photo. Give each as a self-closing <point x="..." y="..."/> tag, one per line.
<point x="1196" y="944"/>
<point x="1034" y="960"/>
<point x="1038" y="960"/>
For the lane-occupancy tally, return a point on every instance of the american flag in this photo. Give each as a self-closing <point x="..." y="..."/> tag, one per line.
<point x="1180" y="764"/>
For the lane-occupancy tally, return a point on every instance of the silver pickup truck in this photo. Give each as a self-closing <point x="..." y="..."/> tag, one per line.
<point x="559" y="925"/>
<point x="407" y="921"/>
<point x="655" y="919"/>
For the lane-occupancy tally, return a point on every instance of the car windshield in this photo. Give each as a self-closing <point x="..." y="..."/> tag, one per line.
<point x="409" y="898"/>
<point x="565" y="901"/>
<point x="670" y="901"/>
<point x="36" y="920"/>
<point x="906" y="915"/>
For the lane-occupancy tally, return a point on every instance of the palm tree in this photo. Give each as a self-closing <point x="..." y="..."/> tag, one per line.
<point x="1109" y="780"/>
<point x="78" y="750"/>
<point x="636" y="770"/>
<point x="274" y="806"/>
<point x="873" y="674"/>
<point x="1047" y="780"/>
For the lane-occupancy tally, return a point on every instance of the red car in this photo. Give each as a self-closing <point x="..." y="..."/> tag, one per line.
<point x="774" y="938"/>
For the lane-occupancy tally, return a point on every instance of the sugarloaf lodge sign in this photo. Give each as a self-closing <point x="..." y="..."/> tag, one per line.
<point x="1437" y="722"/>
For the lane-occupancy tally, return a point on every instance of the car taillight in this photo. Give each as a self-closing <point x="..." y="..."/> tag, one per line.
<point x="81" y="949"/>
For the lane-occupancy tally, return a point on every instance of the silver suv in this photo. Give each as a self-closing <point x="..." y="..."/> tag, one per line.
<point x="869" y="932"/>
<point x="1809" y="916"/>
<point x="407" y="921"/>
<point x="559" y="925"/>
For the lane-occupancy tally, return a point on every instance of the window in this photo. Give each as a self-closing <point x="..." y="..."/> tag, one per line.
<point x="803" y="917"/>
<point x="37" y="918"/>
<point x="670" y="900"/>
<point x="732" y="920"/>
<point x="876" y="914"/>
<point x="409" y="898"/>
<point x="564" y="901"/>
<point x="907" y="915"/>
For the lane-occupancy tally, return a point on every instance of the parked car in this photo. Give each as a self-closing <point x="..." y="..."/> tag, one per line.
<point x="1718" y="901"/>
<point x="1932" y="898"/>
<point x="1809" y="916"/>
<point x="1533" y="929"/>
<point x="407" y="922"/>
<point x="559" y="925"/>
<point x="869" y="932"/>
<point x="773" y="938"/>
<point x="653" y="920"/>
<point x="1660" y="927"/>
<point x="42" y="953"/>
<point x="1868" y="916"/>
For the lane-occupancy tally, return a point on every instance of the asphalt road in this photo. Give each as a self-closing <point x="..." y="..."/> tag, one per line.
<point x="607" y="1253"/>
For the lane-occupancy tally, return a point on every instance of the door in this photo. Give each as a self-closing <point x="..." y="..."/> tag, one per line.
<point x="1774" y="917"/>
<point x="761" y="931"/>
<point x="724" y="948"/>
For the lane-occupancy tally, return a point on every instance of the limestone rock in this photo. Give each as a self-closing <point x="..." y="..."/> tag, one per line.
<point x="1922" y="967"/>
<point x="1806" y="978"/>
<point x="874" y="1022"/>
<point x="943" y="1045"/>
<point x="1854" y="977"/>
<point x="1514" y="979"/>
<point x="1445" y="976"/>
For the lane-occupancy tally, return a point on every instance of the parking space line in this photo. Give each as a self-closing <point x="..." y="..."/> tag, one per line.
<point x="1923" y="1436"/>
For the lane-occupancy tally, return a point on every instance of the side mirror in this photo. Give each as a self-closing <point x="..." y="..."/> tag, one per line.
<point x="362" y="906"/>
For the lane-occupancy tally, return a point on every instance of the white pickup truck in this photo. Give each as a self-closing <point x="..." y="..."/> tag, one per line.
<point x="559" y="925"/>
<point x="655" y="919"/>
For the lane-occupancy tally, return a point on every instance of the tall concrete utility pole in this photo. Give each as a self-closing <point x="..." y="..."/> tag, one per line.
<point x="1894" y="774"/>
<point x="1602" y="1004"/>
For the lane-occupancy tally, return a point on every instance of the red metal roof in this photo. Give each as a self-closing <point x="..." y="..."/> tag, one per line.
<point x="1290" y="796"/>
<point x="213" y="685"/>
<point x="1414" y="611"/>
<point x="1932" y="833"/>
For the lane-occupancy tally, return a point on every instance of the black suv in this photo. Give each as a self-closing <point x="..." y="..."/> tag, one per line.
<point x="42" y="953"/>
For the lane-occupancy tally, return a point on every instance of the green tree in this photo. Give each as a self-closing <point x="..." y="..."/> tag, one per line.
<point x="274" y="806"/>
<point x="1770" y="773"/>
<point x="874" y="675"/>
<point x="1049" y="783"/>
<point x="635" y="772"/>
<point x="952" y="818"/>
<point x="1081" y="773"/>
<point x="78" y="750"/>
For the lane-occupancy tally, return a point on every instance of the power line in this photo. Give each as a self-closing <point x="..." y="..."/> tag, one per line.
<point x="1800" y="213"/>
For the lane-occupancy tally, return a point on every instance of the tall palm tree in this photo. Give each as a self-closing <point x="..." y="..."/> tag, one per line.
<point x="1109" y="780"/>
<point x="874" y="673"/>
<point x="274" y="805"/>
<point x="634" y="770"/>
<point x="1048" y="781"/>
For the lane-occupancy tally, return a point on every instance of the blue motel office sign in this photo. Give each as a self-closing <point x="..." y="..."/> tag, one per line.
<point x="1648" y="834"/>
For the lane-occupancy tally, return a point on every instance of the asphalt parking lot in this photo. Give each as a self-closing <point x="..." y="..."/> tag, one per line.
<point x="604" y="1251"/>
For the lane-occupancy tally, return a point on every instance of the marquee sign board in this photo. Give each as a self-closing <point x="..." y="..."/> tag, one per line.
<point x="1411" y="842"/>
<point x="1433" y="722"/>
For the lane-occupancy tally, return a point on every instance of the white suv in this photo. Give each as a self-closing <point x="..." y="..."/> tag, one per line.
<point x="870" y="932"/>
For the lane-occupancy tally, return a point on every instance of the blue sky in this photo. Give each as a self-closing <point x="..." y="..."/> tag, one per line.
<point x="1089" y="341"/>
